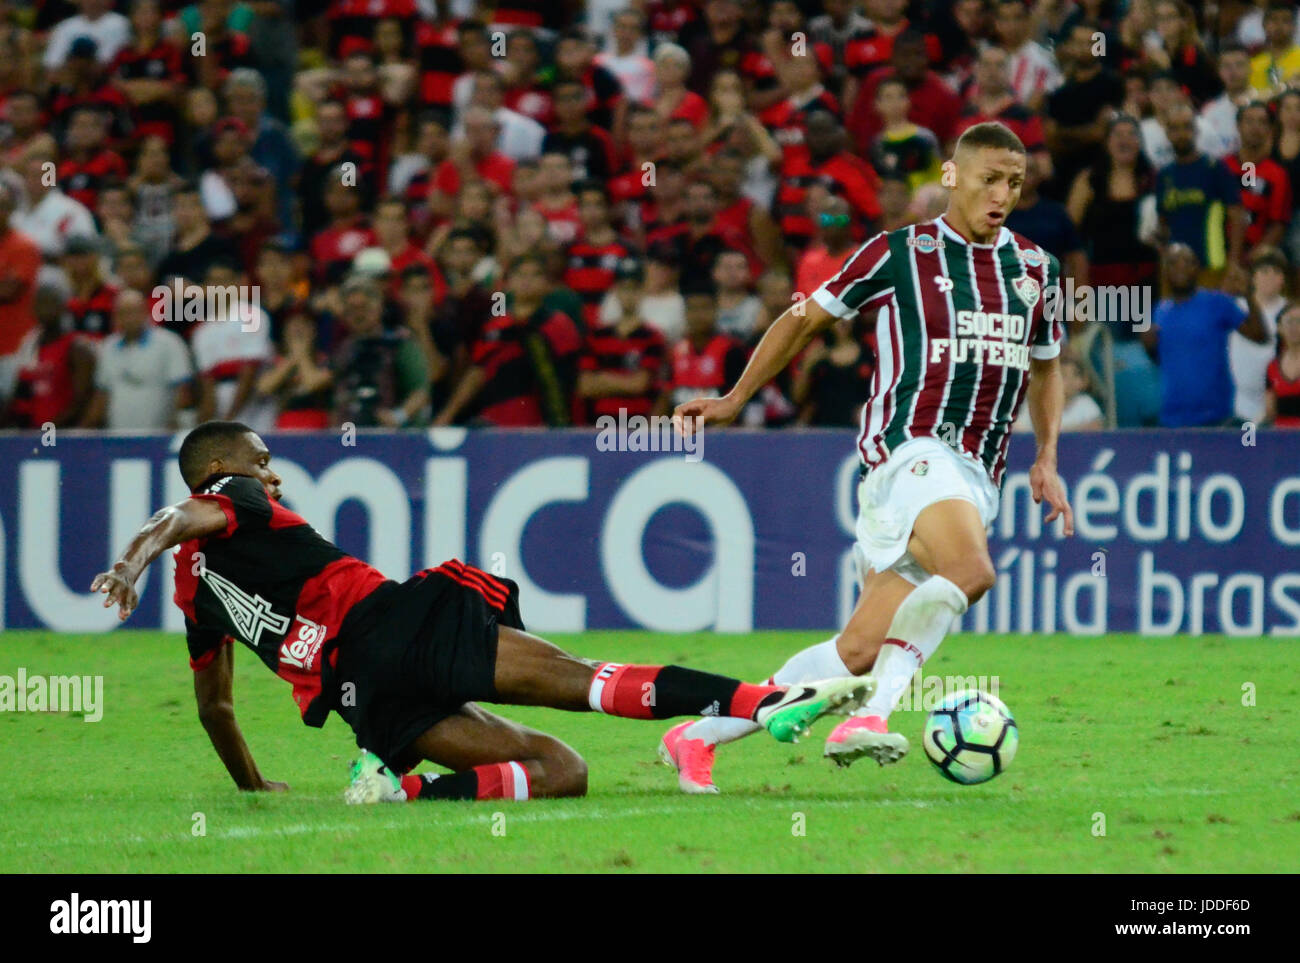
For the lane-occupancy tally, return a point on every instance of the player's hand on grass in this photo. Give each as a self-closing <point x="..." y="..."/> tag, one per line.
<point x="690" y="417"/>
<point x="119" y="589"/>
<point x="1045" y="486"/>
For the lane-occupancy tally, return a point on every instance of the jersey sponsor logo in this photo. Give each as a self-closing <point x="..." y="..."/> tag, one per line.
<point x="1032" y="258"/>
<point x="925" y="243"/>
<point x="300" y="649"/>
<point x="977" y="351"/>
<point x="251" y="614"/>
<point x="1026" y="289"/>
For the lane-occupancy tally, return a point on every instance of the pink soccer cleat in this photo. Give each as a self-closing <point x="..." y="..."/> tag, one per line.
<point x="692" y="758"/>
<point x="860" y="736"/>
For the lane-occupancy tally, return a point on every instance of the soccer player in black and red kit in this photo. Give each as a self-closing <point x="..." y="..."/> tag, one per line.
<point x="402" y="663"/>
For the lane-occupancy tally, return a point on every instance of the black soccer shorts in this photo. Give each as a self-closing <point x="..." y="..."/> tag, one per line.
<point x="428" y="647"/>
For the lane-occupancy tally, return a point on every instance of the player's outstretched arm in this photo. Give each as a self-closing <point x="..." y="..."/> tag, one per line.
<point x="1046" y="399"/>
<point x="213" y="691"/>
<point x="787" y="336"/>
<point x="192" y="518"/>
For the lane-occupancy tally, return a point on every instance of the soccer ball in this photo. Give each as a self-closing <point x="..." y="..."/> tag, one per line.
<point x="971" y="737"/>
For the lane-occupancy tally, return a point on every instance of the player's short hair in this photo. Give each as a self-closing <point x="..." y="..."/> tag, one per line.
<point x="209" y="441"/>
<point x="990" y="134"/>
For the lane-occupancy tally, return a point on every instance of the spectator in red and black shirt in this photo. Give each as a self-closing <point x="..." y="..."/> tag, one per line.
<point x="88" y="164"/>
<point x="92" y="298"/>
<point x="622" y="365"/>
<point x="590" y="261"/>
<point x="85" y="85"/>
<point x="439" y="64"/>
<point x="990" y="97"/>
<point x="391" y="226"/>
<point x="333" y="248"/>
<point x="575" y="60"/>
<point x="1282" y="395"/>
<point x="523" y="367"/>
<point x="1266" y="195"/>
<point x="934" y="105"/>
<point x="706" y="362"/>
<point x="589" y="148"/>
<point x="828" y="162"/>
<point x="335" y="149"/>
<point x="149" y="72"/>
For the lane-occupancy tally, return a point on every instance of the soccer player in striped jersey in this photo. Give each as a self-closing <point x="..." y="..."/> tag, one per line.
<point x="966" y="314"/>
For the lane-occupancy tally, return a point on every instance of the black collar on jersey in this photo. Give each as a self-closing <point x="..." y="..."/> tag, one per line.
<point x="211" y="479"/>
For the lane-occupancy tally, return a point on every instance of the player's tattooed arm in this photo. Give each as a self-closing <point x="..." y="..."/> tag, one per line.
<point x="214" y="693"/>
<point x="788" y="335"/>
<point x="192" y="518"/>
<point x="1046" y="399"/>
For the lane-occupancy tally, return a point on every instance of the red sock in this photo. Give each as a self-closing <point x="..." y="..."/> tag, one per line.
<point x="662" y="692"/>
<point x="502" y="780"/>
<point x="498" y="780"/>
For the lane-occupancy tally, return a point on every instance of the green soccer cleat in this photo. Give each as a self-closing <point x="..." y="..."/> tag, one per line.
<point x="805" y="703"/>
<point x="372" y="782"/>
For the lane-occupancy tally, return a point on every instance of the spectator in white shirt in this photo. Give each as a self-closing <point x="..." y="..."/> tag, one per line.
<point x="1249" y="360"/>
<point x="110" y="31"/>
<point x="626" y="58"/>
<point x="231" y="347"/>
<point x="143" y="376"/>
<point x="1034" y="72"/>
<point x="49" y="217"/>
<point x="521" y="137"/>
<point x="1221" y="112"/>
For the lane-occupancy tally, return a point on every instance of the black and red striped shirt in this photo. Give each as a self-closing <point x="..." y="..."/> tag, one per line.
<point x="438" y="56"/>
<point x="1287" y="394"/>
<point x="82" y="179"/>
<point x="93" y="314"/>
<point x="589" y="272"/>
<point x="641" y="349"/>
<point x="530" y="367"/>
<point x="270" y="581"/>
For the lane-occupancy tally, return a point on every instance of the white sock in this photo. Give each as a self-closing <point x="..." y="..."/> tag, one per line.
<point x="820" y="661"/>
<point x="915" y="633"/>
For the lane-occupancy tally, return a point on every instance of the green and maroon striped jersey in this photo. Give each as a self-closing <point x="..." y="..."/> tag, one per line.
<point x="956" y="326"/>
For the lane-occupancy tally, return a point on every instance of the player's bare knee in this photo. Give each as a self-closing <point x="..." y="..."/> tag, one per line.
<point x="975" y="577"/>
<point x="857" y="650"/>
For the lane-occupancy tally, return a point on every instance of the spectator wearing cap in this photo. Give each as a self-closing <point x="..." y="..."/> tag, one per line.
<point x="333" y="247"/>
<point x="143" y="375"/>
<point x="590" y="150"/>
<point x="590" y="261"/>
<point x="49" y="216"/>
<point x="232" y="346"/>
<point x="661" y="305"/>
<point x="523" y="366"/>
<point x="622" y="365"/>
<point x="1266" y="191"/>
<point x="706" y="362"/>
<point x="1282" y="394"/>
<point x="97" y="23"/>
<point x="1249" y="360"/>
<point x="83" y="82"/>
<point x="92" y="297"/>
<point x="934" y="105"/>
<point x="55" y="369"/>
<point x="380" y="375"/>
<point x="1078" y="110"/>
<point x="1190" y="336"/>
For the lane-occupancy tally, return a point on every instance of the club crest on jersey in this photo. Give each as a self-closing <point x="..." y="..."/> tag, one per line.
<point x="920" y="468"/>
<point x="1026" y="289"/>
<point x="925" y="243"/>
<point x="1032" y="258"/>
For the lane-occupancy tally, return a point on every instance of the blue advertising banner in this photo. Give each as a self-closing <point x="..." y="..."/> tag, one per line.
<point x="1191" y="532"/>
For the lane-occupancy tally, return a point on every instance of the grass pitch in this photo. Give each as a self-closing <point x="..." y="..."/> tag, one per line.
<point x="1149" y="735"/>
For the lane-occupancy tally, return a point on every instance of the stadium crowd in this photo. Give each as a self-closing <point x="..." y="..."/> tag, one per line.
<point x="431" y="212"/>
